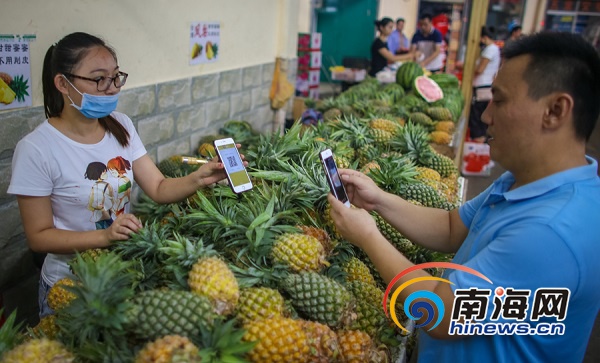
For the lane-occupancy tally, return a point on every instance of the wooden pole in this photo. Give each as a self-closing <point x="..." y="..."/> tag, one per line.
<point x="479" y="9"/>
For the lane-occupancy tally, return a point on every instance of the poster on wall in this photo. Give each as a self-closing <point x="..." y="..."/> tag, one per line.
<point x="204" y="42"/>
<point x="15" y="71"/>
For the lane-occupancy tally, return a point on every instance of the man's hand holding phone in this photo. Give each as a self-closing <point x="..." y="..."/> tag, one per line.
<point x="361" y="190"/>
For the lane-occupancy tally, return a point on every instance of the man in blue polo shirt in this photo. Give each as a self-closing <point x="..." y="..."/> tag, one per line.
<point x="532" y="233"/>
<point x="428" y="42"/>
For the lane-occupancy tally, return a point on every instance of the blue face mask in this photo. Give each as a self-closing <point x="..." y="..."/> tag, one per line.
<point x="93" y="106"/>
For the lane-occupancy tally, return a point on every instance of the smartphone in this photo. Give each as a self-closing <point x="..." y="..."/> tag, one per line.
<point x="239" y="181"/>
<point x="333" y="177"/>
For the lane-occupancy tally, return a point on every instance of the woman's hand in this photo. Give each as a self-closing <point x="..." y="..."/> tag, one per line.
<point x="214" y="170"/>
<point x="122" y="228"/>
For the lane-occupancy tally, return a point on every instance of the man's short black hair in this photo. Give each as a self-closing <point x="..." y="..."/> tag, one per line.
<point x="425" y="16"/>
<point x="563" y="62"/>
<point x="514" y="29"/>
<point x="399" y="20"/>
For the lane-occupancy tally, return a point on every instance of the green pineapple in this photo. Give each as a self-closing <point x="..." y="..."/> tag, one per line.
<point x="381" y="137"/>
<point x="259" y="303"/>
<point x="366" y="292"/>
<point x="439" y="113"/>
<point x="391" y="234"/>
<point x="320" y="298"/>
<point x="170" y="168"/>
<point x="442" y="164"/>
<point x="356" y="270"/>
<point x="370" y="318"/>
<point x="422" y="119"/>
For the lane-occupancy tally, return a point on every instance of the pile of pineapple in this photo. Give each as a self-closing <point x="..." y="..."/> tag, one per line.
<point x="257" y="277"/>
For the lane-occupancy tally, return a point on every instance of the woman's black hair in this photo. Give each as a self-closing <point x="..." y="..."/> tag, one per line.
<point x="488" y="32"/>
<point x="383" y="22"/>
<point x="62" y="58"/>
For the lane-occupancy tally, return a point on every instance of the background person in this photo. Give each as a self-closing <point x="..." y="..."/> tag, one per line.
<point x="380" y="54"/>
<point x="398" y="43"/>
<point x="531" y="229"/>
<point x="485" y="70"/>
<point x="81" y="80"/>
<point x="516" y="32"/>
<point x="428" y="42"/>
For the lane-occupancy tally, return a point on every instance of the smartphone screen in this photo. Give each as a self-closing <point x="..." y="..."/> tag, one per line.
<point x="333" y="177"/>
<point x="234" y="166"/>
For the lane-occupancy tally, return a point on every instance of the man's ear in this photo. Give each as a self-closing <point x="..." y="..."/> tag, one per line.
<point x="559" y="110"/>
<point x="61" y="84"/>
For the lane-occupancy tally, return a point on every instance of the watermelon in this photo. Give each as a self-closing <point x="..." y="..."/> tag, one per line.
<point x="428" y="89"/>
<point x="406" y="74"/>
<point x="445" y="80"/>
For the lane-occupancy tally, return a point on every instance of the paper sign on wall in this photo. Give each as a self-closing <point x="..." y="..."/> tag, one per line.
<point x="15" y="71"/>
<point x="204" y="42"/>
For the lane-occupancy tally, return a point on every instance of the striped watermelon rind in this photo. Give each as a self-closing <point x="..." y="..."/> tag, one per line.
<point x="407" y="73"/>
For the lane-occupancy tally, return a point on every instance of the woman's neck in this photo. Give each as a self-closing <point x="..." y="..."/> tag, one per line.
<point x="78" y="127"/>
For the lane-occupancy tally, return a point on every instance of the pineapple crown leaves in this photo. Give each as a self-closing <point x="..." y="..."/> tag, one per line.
<point x="101" y="308"/>
<point x="256" y="275"/>
<point x="352" y="128"/>
<point x="222" y="343"/>
<point x="413" y="141"/>
<point x="393" y="173"/>
<point x="9" y="333"/>
<point x="180" y="254"/>
<point x="150" y="211"/>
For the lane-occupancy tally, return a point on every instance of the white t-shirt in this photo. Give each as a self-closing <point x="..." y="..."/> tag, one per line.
<point x="88" y="184"/>
<point x="491" y="52"/>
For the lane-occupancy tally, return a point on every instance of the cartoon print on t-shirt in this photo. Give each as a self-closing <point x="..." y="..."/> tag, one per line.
<point x="118" y="168"/>
<point x="101" y="201"/>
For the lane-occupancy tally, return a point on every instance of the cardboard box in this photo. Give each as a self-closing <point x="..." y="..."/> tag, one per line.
<point x="298" y="107"/>
<point x="309" y="41"/>
<point x="313" y="92"/>
<point x="309" y="60"/>
<point x="349" y="75"/>
<point x="314" y="76"/>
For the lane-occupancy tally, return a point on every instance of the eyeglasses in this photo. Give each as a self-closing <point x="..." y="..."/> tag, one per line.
<point x="103" y="83"/>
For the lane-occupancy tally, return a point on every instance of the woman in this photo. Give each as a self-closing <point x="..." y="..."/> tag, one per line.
<point x="380" y="54"/>
<point x="81" y="81"/>
<point x="486" y="68"/>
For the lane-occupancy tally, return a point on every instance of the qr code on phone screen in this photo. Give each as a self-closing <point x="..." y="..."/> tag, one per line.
<point x="232" y="162"/>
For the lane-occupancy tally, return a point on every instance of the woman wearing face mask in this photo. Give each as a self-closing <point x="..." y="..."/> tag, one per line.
<point x="81" y="82"/>
<point x="380" y="54"/>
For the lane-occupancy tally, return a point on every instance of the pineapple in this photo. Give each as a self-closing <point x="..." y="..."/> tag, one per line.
<point x="278" y="340"/>
<point x="299" y="251"/>
<point x="332" y="114"/>
<point x="392" y="234"/>
<point x="158" y="313"/>
<point x="320" y="298"/>
<point x="58" y="296"/>
<point x="439" y="113"/>
<point x="170" y="348"/>
<point x="212" y="278"/>
<point x="7" y="95"/>
<point x="385" y="125"/>
<point x="440" y="137"/>
<point x="413" y="142"/>
<point x="421" y="193"/>
<point x="207" y="150"/>
<point x="321" y="235"/>
<point x="358" y="347"/>
<point x="381" y="137"/>
<point x="46" y="327"/>
<point x="341" y="162"/>
<point x="258" y="303"/>
<point x="323" y="342"/>
<point x="169" y="168"/>
<point x="447" y="126"/>
<point x="370" y="318"/>
<point x="356" y="270"/>
<point x="442" y="164"/>
<point x="39" y="350"/>
<point x="369" y="166"/>
<point x="422" y="119"/>
<point x="427" y="174"/>
<point x="369" y="293"/>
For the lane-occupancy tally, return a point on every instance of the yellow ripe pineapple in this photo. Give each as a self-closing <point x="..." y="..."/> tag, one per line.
<point x="258" y="303"/>
<point x="58" y="296"/>
<point x="385" y="125"/>
<point x="46" y="327"/>
<point x="381" y="137"/>
<point x="39" y="350"/>
<point x="323" y="342"/>
<point x="427" y="174"/>
<point x="342" y="162"/>
<point x="207" y="150"/>
<point x="299" y="251"/>
<point x="447" y="126"/>
<point x="170" y="348"/>
<point x="370" y="166"/>
<point x="280" y="340"/>
<point x="356" y="270"/>
<point x="440" y="137"/>
<point x="7" y="95"/>
<point x="358" y="347"/>
<point x="212" y="278"/>
<point x="321" y="235"/>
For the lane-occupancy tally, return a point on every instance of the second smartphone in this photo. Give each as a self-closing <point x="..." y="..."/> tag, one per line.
<point x="238" y="177"/>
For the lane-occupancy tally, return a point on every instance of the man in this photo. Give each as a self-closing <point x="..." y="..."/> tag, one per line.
<point x="398" y="43"/>
<point x="533" y="228"/>
<point x="428" y="42"/>
<point x="515" y="34"/>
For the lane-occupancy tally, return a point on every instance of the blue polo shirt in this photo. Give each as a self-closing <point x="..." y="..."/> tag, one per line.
<point x="541" y="235"/>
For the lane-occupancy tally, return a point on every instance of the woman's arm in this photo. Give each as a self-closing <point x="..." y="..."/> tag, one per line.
<point x="43" y="236"/>
<point x="395" y="57"/>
